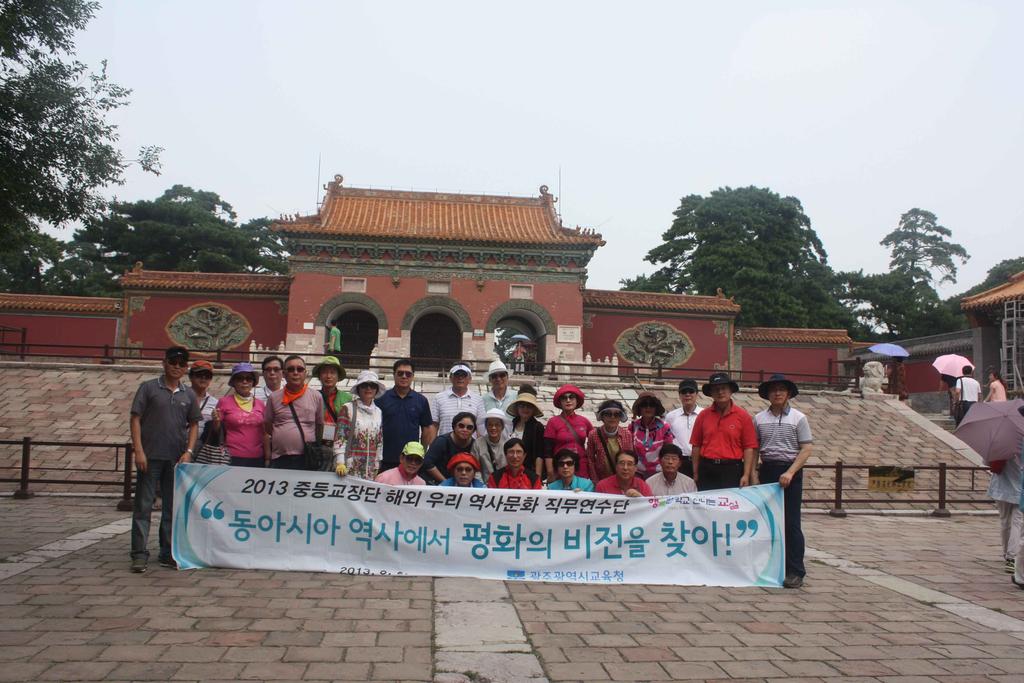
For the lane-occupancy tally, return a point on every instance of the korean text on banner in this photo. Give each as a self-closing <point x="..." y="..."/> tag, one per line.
<point x="236" y="517"/>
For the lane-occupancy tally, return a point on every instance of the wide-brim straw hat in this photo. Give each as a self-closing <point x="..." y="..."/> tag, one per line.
<point x="763" y="387"/>
<point x="648" y="397"/>
<point x="524" y="398"/>
<point x="369" y="377"/>
<point x="330" y="362"/>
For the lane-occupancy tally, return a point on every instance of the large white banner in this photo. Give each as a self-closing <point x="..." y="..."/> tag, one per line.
<point x="243" y="518"/>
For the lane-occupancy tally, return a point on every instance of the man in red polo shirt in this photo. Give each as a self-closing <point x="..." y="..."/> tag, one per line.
<point x="724" y="439"/>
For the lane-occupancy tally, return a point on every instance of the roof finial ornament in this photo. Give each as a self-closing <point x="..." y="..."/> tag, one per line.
<point x="719" y="293"/>
<point x="543" y="190"/>
<point x="335" y="184"/>
<point x="137" y="268"/>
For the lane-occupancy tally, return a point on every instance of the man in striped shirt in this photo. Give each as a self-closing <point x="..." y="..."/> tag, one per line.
<point x="458" y="398"/>
<point x="785" y="438"/>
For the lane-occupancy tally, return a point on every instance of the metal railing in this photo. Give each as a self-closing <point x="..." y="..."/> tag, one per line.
<point x="554" y="370"/>
<point x="945" y="494"/>
<point x="838" y="493"/>
<point x="123" y="461"/>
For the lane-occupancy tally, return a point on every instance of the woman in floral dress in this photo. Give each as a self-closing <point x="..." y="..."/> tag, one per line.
<point x="359" y="452"/>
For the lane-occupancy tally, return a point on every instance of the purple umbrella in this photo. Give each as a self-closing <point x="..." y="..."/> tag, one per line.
<point x="886" y="349"/>
<point x="994" y="430"/>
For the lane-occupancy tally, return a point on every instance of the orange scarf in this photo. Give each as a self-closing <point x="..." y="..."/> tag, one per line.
<point x="290" y="396"/>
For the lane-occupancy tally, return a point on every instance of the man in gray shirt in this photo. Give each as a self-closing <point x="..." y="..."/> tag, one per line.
<point x="164" y="422"/>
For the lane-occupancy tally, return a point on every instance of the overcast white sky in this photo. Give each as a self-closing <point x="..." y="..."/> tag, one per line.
<point x="862" y="110"/>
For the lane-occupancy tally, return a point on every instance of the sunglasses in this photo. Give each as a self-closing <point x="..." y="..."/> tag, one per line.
<point x="500" y="375"/>
<point x="460" y="374"/>
<point x="567" y="463"/>
<point x="295" y="368"/>
<point x="177" y="362"/>
<point x="272" y="368"/>
<point x="403" y="373"/>
<point x="463" y="425"/>
<point x="202" y="375"/>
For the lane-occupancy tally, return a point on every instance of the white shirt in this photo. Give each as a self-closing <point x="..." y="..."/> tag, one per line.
<point x="970" y="389"/>
<point x="444" y="405"/>
<point x="661" y="487"/>
<point x="682" y="426"/>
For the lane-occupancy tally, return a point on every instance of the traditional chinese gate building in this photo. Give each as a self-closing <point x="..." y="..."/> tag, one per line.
<point x="434" y="276"/>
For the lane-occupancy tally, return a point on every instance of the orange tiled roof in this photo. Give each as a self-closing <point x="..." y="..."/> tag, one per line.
<point x="63" y="304"/>
<point x="1008" y="291"/>
<point x="245" y="283"/>
<point x="437" y="216"/>
<point x="649" y="301"/>
<point x="791" y="335"/>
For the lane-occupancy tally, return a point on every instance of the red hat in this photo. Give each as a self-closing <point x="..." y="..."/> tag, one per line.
<point x="568" y="389"/>
<point x="460" y="458"/>
<point x="200" y="366"/>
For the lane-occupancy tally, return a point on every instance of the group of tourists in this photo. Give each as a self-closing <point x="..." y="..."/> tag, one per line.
<point x="460" y="438"/>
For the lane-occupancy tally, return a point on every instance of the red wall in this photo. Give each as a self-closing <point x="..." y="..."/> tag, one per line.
<point x="794" y="361"/>
<point x="61" y="329"/>
<point x="922" y="377"/>
<point x="606" y="326"/>
<point x="309" y="292"/>
<point x="148" y="326"/>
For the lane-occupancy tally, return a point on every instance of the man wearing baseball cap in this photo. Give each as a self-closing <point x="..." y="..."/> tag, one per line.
<point x="458" y="398"/>
<point x="681" y="420"/>
<point x="724" y="441"/>
<point x="406" y="474"/>
<point x="164" y="424"/>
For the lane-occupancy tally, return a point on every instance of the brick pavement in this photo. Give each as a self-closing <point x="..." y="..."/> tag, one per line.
<point x="83" y="616"/>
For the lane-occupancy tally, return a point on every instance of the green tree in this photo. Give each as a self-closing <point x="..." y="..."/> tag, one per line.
<point x="920" y="248"/>
<point x="757" y="247"/>
<point x="891" y="306"/>
<point x="57" y="148"/>
<point x="183" y="230"/>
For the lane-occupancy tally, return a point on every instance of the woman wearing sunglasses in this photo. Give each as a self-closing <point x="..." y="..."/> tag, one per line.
<point x="447" y="446"/>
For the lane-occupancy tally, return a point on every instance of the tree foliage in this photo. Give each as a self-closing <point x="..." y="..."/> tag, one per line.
<point x="757" y="247"/>
<point x="921" y="251"/>
<point x="57" y="148"/>
<point x="182" y="230"/>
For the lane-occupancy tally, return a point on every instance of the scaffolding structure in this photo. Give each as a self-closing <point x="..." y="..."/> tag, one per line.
<point x="1012" y="353"/>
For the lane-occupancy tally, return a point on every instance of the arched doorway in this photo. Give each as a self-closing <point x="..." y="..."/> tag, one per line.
<point x="358" y="337"/>
<point x="435" y="341"/>
<point x="520" y="344"/>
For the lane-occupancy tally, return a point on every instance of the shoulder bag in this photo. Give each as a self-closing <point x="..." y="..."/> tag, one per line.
<point x="314" y="455"/>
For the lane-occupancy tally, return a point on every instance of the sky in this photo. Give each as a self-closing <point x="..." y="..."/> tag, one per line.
<point x="861" y="110"/>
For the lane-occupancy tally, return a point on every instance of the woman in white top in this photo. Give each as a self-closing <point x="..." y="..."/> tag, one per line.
<point x="359" y="452"/>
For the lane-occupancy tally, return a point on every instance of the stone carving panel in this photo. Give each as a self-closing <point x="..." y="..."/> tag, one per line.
<point x="654" y="343"/>
<point x="208" y="327"/>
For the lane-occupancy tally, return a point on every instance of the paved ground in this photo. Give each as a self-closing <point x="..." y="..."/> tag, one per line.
<point x="887" y="599"/>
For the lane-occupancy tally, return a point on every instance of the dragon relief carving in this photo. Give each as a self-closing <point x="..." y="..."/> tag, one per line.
<point x="208" y="327"/>
<point x="656" y="344"/>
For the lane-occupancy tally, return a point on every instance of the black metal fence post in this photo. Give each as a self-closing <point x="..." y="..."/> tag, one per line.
<point x="26" y="463"/>
<point x="941" y="511"/>
<point x="125" y="504"/>
<point x="837" y="505"/>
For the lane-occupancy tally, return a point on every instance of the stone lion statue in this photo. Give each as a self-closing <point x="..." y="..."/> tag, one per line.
<point x="873" y="379"/>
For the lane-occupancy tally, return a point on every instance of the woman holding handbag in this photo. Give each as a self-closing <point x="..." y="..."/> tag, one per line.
<point x="359" y="453"/>
<point x="567" y="430"/>
<point x="240" y="415"/>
